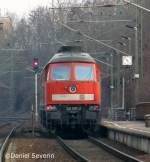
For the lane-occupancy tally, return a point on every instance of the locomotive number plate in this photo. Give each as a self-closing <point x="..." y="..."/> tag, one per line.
<point x="72" y="97"/>
<point x="73" y="108"/>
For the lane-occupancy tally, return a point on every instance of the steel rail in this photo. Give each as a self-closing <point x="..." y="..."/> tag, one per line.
<point x="114" y="151"/>
<point x="71" y="151"/>
<point x="5" y="144"/>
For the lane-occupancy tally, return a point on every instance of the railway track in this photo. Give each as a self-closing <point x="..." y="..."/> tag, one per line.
<point x="34" y="148"/>
<point x="83" y="150"/>
<point x="9" y="134"/>
<point x="113" y="150"/>
<point x="93" y="150"/>
<point x="4" y="130"/>
<point x="5" y="144"/>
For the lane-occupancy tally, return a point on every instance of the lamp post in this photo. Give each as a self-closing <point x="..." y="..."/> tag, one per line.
<point x="123" y="81"/>
<point x="136" y="64"/>
<point x="129" y="73"/>
<point x="140" y="9"/>
<point x="126" y="62"/>
<point x="136" y="54"/>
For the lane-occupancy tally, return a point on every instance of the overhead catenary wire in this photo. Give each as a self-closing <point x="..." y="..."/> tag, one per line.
<point x="136" y="5"/>
<point x="94" y="58"/>
<point x="90" y="6"/>
<point x="91" y="55"/>
<point x="80" y="40"/>
<point x="112" y="29"/>
<point x="103" y="62"/>
<point x="57" y="41"/>
<point x="91" y="38"/>
<point x="126" y="2"/>
<point x="98" y="21"/>
<point x="12" y="49"/>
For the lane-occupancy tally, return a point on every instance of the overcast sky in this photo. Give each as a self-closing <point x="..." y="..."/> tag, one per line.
<point x="21" y="7"/>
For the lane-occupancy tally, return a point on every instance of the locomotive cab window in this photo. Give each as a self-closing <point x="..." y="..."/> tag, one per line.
<point x="84" y="72"/>
<point x="60" y="72"/>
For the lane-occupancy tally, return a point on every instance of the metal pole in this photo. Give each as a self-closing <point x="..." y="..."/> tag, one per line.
<point x="36" y="104"/>
<point x="129" y="72"/>
<point x="53" y="10"/>
<point x="123" y="92"/>
<point x="118" y="79"/>
<point x="32" y="109"/>
<point x="136" y="64"/>
<point x="111" y="104"/>
<point x="12" y="92"/>
<point x="136" y="52"/>
<point x="140" y="22"/>
<point x="54" y="28"/>
<point x="136" y="43"/>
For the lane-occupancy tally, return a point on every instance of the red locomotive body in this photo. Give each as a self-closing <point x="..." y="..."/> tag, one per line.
<point x="71" y="90"/>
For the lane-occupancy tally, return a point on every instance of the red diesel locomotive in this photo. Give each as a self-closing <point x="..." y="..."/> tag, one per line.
<point x="71" y="90"/>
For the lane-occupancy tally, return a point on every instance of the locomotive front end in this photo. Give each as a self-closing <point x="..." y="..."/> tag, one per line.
<point x="72" y="91"/>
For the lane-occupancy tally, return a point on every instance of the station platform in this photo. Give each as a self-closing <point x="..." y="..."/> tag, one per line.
<point x="135" y="127"/>
<point x="131" y="133"/>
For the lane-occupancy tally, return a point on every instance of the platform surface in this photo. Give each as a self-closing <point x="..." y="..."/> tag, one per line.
<point x="136" y="127"/>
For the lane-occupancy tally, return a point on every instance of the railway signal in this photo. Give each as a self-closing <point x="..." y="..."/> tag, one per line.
<point x="35" y="64"/>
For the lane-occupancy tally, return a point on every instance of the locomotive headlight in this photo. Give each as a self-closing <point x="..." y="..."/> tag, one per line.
<point x="51" y="108"/>
<point x="72" y="89"/>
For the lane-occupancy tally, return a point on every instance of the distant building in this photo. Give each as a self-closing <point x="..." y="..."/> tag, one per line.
<point x="5" y="31"/>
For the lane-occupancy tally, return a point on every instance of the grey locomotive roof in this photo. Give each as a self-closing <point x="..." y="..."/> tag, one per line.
<point x="72" y="57"/>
